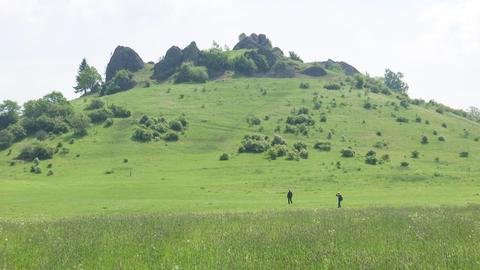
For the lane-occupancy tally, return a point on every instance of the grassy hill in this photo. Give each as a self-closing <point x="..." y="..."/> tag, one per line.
<point x="187" y="175"/>
<point x="116" y="203"/>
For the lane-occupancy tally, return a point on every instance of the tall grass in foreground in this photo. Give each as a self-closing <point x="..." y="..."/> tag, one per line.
<point x="410" y="238"/>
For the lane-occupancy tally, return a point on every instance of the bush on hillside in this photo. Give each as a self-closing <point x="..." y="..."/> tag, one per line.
<point x="415" y="154"/>
<point x="122" y="81"/>
<point x="402" y="119"/>
<point x="253" y="121"/>
<point x="244" y="66"/>
<point x="464" y="154"/>
<point x="119" y="112"/>
<point x="404" y="164"/>
<point x="188" y="73"/>
<point x="35" y="150"/>
<point x="441" y="138"/>
<point x="424" y="140"/>
<point x="6" y="139"/>
<point x="304" y="85"/>
<point x="347" y="153"/>
<point x="99" y="116"/>
<point x="255" y="143"/>
<point x="224" y="156"/>
<point x="108" y="123"/>
<point x="171" y="137"/>
<point x="323" y="146"/>
<point x="299" y="146"/>
<point x="278" y="140"/>
<point x="141" y="134"/>
<point x="283" y="69"/>
<point x="95" y="104"/>
<point x="176" y="125"/>
<point x="332" y="86"/>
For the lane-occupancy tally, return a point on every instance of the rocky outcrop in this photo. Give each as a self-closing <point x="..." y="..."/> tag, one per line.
<point x="254" y="41"/>
<point x="314" y="71"/>
<point x="347" y="68"/>
<point x="169" y="64"/>
<point x="191" y="53"/>
<point x="123" y="58"/>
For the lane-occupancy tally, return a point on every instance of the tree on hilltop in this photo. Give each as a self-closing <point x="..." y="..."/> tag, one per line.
<point x="88" y="79"/>
<point x="394" y="81"/>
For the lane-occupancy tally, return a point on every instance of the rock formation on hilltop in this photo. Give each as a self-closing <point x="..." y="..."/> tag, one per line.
<point x="169" y="64"/>
<point x="123" y="58"/>
<point x="347" y="68"/>
<point x="254" y="41"/>
<point x="191" y="53"/>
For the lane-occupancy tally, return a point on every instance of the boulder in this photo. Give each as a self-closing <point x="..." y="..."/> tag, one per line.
<point x="123" y="58"/>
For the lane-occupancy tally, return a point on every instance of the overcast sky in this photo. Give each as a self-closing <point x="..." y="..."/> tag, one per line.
<point x="435" y="43"/>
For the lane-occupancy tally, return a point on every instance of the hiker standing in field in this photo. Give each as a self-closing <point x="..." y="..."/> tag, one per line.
<point x="340" y="199"/>
<point x="289" y="197"/>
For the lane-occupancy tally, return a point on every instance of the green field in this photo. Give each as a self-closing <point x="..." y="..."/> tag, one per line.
<point x="174" y="205"/>
<point x="439" y="238"/>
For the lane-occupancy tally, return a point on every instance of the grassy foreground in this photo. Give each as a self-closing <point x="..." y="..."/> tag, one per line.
<point x="379" y="238"/>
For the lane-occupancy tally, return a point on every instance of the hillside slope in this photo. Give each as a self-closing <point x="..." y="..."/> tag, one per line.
<point x="187" y="175"/>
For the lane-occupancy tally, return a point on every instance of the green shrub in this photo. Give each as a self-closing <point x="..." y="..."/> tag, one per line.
<point x="49" y="173"/>
<point x="108" y="123"/>
<point x="323" y="119"/>
<point x="283" y="69"/>
<point x="444" y="125"/>
<point x="36" y="169"/>
<point x="441" y="138"/>
<point x="304" y="85"/>
<point x="303" y="154"/>
<point x="404" y="164"/>
<point x="255" y="143"/>
<point x="302" y="119"/>
<point x="142" y="135"/>
<point x="35" y="150"/>
<point x="415" y="154"/>
<point x="464" y="154"/>
<point x="253" y="121"/>
<point x="95" y="104"/>
<point x="418" y="119"/>
<point x="171" y="137"/>
<point x="323" y="146"/>
<point x="380" y="145"/>
<point x="244" y="66"/>
<point x="299" y="146"/>
<point x="119" y="112"/>
<point x="278" y="140"/>
<point x="293" y="155"/>
<point x="332" y="86"/>
<point x="386" y="157"/>
<point x="367" y="105"/>
<point x="347" y="153"/>
<point x="224" y="156"/>
<point x="122" y="81"/>
<point x="99" y="116"/>
<point x="6" y="139"/>
<point x="424" y="140"/>
<point x="402" y="119"/>
<point x="189" y="73"/>
<point x="176" y="125"/>
<point x="371" y="160"/>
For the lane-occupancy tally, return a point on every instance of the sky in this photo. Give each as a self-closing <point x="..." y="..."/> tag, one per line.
<point x="435" y="43"/>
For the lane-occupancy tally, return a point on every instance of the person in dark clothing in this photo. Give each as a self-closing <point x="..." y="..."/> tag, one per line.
<point x="340" y="199"/>
<point x="289" y="197"/>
